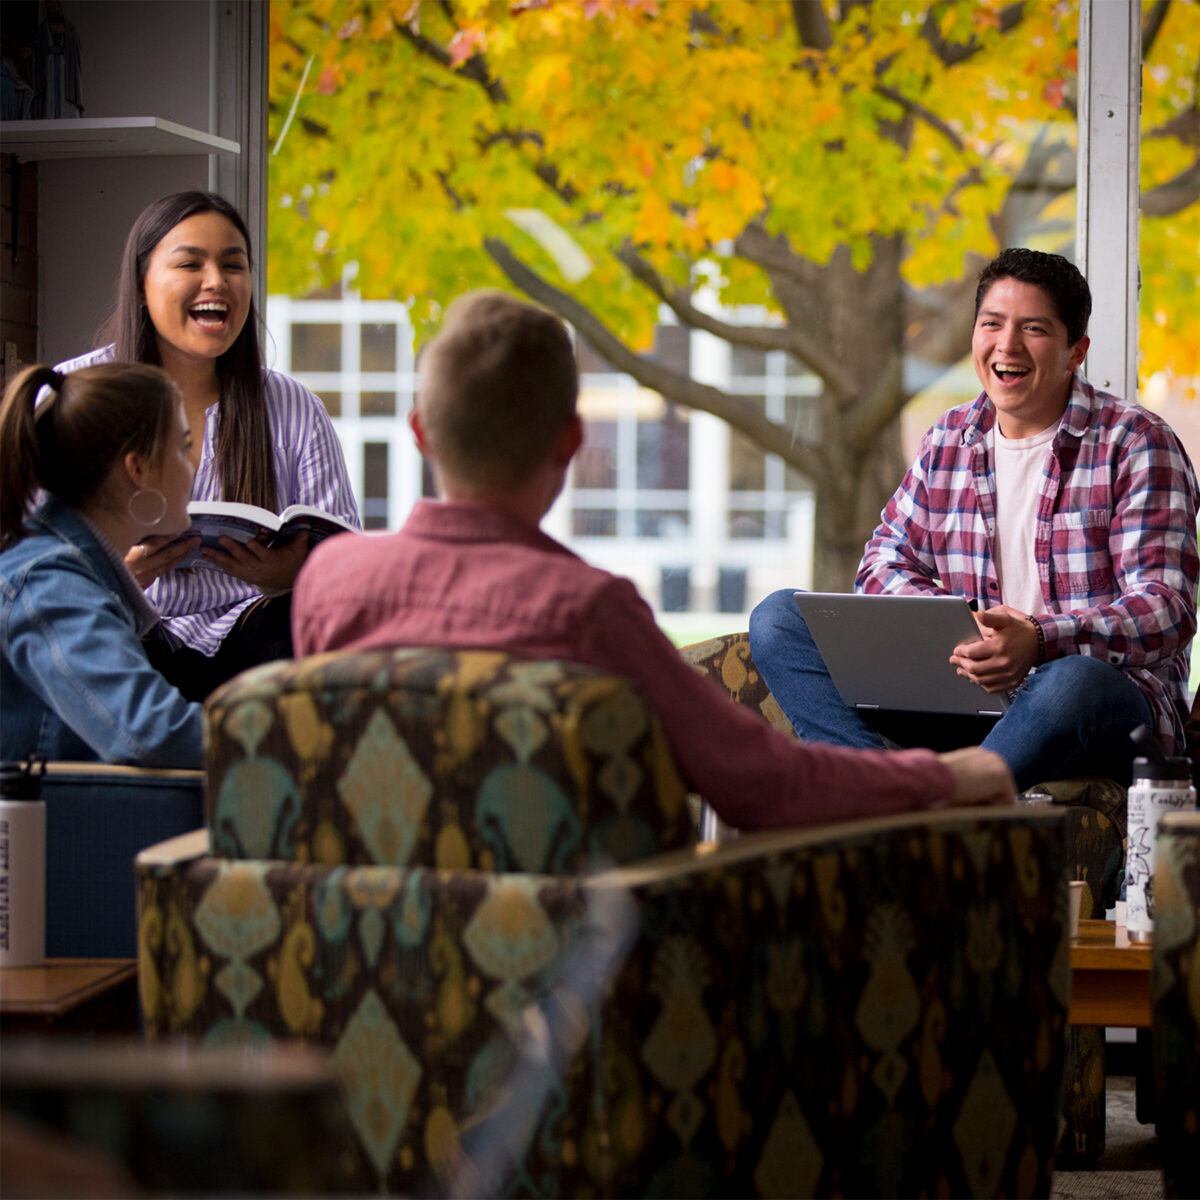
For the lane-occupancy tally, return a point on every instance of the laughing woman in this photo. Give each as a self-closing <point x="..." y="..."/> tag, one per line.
<point x="185" y="303"/>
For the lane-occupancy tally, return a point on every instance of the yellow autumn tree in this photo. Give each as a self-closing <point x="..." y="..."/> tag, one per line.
<point x="840" y="169"/>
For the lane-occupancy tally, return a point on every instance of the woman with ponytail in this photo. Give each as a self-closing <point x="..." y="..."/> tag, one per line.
<point x="185" y="303"/>
<point x="100" y="464"/>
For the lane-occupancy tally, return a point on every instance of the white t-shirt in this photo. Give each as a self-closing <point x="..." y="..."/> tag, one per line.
<point x="1019" y="463"/>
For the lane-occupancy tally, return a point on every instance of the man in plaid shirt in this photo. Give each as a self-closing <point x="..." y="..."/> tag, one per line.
<point x="1067" y="515"/>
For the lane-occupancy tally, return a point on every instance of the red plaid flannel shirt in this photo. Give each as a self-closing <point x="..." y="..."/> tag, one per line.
<point x="1115" y="544"/>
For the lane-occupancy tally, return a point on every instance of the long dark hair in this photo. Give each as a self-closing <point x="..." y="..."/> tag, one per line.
<point x="68" y="444"/>
<point x="245" y="462"/>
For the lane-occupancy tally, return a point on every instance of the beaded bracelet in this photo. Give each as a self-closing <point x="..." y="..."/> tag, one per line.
<point x="1041" y="637"/>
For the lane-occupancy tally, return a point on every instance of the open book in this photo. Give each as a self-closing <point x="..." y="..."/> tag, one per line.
<point x="215" y="519"/>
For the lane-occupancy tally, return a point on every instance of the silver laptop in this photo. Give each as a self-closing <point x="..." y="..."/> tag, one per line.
<point x="893" y="652"/>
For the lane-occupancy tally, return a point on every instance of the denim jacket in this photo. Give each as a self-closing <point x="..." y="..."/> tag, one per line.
<point x="77" y="685"/>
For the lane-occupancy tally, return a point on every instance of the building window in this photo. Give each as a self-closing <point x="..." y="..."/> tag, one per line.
<point x="662" y="522"/>
<point x="377" y="404"/>
<point x="375" y="485"/>
<point x="731" y="589"/>
<point x="377" y="348"/>
<point x="594" y="522"/>
<point x="747" y="463"/>
<point x="676" y="589"/>
<point x="596" y="462"/>
<point x="662" y="451"/>
<point x="316" y="347"/>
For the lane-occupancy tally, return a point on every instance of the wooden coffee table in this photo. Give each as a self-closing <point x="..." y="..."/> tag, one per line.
<point x="73" y="995"/>
<point x="1110" y="977"/>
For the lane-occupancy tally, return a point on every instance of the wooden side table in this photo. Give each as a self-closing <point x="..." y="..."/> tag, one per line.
<point x="1110" y="977"/>
<point x="1110" y="986"/>
<point x="73" y="995"/>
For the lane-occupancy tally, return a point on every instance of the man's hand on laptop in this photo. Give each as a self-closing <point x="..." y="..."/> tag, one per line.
<point x="1003" y="655"/>
<point x="980" y="777"/>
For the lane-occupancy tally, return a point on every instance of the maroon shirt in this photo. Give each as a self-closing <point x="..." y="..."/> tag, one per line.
<point x="469" y="577"/>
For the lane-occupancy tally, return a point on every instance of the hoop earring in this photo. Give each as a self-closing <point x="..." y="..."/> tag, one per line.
<point x="158" y="499"/>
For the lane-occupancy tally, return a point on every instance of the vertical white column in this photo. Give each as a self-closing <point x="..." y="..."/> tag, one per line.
<point x="1106" y="219"/>
<point x="708" y="467"/>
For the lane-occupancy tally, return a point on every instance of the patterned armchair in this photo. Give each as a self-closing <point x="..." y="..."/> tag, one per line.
<point x="1095" y="811"/>
<point x="1095" y="807"/>
<point x="868" y="1008"/>
<point x="439" y="758"/>
<point x="1175" y="1001"/>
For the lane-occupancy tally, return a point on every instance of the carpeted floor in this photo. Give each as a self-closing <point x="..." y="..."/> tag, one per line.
<point x="1129" y="1168"/>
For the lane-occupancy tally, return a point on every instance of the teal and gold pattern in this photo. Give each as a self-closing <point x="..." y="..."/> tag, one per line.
<point x="1095" y="806"/>
<point x="1095" y="810"/>
<point x="875" y="1008"/>
<point x="439" y="758"/>
<point x="727" y="660"/>
<point x="1175" y="1001"/>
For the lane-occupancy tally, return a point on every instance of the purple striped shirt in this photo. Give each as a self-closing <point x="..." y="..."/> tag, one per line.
<point x="200" y="605"/>
<point x="1115" y="544"/>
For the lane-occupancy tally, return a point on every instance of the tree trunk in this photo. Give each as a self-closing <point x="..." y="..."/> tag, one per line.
<point x="849" y="501"/>
<point x="861" y="317"/>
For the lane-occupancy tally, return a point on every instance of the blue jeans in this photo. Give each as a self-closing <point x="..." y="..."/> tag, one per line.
<point x="1071" y="716"/>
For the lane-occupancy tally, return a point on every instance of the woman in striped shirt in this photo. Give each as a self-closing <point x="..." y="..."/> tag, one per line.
<point x="185" y="303"/>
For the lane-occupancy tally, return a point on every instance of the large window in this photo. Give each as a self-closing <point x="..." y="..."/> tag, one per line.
<point x="678" y="214"/>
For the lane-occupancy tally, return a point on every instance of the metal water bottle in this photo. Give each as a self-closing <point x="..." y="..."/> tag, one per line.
<point x="1160" y="785"/>
<point x="22" y="865"/>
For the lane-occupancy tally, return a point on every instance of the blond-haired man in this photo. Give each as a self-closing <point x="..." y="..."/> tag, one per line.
<point x="496" y="416"/>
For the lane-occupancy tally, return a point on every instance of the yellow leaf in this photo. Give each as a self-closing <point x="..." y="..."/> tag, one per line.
<point x="549" y="72"/>
<point x="381" y="25"/>
<point x="654" y="219"/>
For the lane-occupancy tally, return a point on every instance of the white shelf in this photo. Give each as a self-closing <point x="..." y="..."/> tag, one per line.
<point x="107" y="137"/>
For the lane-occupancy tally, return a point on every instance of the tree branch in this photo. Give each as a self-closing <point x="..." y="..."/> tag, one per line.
<point x="1184" y="125"/>
<point x="952" y="55"/>
<point x="774" y="254"/>
<point x="544" y="169"/>
<point x="738" y="411"/>
<point x="1175" y="195"/>
<point x="837" y="380"/>
<point x="812" y="25"/>
<point x="921" y="113"/>
<point x="475" y="68"/>
<point x="679" y="302"/>
<point x="1152" y="25"/>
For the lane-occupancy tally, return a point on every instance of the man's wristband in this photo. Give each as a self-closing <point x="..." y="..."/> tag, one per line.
<point x="1041" y="637"/>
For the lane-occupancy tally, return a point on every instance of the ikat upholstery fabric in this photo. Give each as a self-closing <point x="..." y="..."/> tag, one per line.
<point x="1095" y="810"/>
<point x="1096" y="838"/>
<point x="1175" y="1001"/>
<point x="439" y="758"/>
<point x="868" y="1008"/>
<point x="876" y="1008"/>
<point x="727" y="660"/>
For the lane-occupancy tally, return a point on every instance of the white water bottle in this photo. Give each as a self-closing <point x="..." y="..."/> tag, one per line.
<point x="1160" y="785"/>
<point x="22" y="865"/>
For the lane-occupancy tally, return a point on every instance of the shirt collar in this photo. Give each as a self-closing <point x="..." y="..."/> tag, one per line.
<point x="1076" y="418"/>
<point x="1081" y="404"/>
<point x="448" y="521"/>
<point x="71" y="524"/>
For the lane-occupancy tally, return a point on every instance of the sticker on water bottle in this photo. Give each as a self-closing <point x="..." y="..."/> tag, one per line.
<point x="1147" y="803"/>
